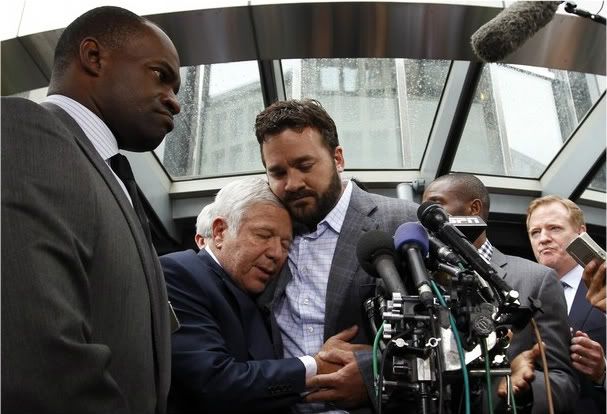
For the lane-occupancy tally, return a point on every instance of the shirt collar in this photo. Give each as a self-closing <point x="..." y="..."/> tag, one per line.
<point x="573" y="277"/>
<point x="486" y="251"/>
<point x="210" y="252"/>
<point x="335" y="218"/>
<point x="94" y="128"/>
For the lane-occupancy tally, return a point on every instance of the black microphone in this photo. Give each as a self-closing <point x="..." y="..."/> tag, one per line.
<point x="512" y="27"/>
<point x="434" y="217"/>
<point x="440" y="251"/>
<point x="411" y="241"/>
<point x="375" y="253"/>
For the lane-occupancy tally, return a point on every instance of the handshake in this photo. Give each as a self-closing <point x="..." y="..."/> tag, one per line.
<point x="338" y="377"/>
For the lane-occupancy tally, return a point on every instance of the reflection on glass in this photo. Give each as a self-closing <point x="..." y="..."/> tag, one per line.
<point x="598" y="182"/>
<point x="521" y="116"/>
<point x="383" y="108"/>
<point x="214" y="132"/>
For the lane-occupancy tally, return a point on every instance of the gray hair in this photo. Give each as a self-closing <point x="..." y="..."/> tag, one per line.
<point x="204" y="221"/>
<point x="234" y="199"/>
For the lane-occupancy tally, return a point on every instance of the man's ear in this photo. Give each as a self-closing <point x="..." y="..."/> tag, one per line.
<point x="90" y="53"/>
<point x="219" y="226"/>
<point x="476" y="207"/>
<point x="199" y="240"/>
<point x="338" y="157"/>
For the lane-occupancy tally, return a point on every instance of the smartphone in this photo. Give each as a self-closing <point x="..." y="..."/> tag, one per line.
<point x="583" y="249"/>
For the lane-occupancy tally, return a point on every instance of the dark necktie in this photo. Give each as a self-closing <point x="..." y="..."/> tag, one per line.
<point x="120" y="165"/>
<point x="565" y="285"/>
<point x="122" y="168"/>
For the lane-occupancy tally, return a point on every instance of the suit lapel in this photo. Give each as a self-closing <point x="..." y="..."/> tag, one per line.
<point x="500" y="261"/>
<point x="343" y="268"/>
<point x="580" y="308"/>
<point x="152" y="271"/>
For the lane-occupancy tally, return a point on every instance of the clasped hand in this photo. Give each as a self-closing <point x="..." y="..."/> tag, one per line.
<point x="338" y="376"/>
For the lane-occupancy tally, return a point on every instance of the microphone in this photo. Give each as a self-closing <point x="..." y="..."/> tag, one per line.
<point x="512" y="27"/>
<point x="411" y="241"/>
<point x="375" y="253"/>
<point x="439" y="250"/>
<point x="434" y="217"/>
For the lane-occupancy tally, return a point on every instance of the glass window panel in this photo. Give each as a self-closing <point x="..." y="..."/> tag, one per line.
<point x="214" y="132"/>
<point x="598" y="182"/>
<point x="521" y="116"/>
<point x="383" y="108"/>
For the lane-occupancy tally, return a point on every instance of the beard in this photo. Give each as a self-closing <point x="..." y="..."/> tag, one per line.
<point x="324" y="203"/>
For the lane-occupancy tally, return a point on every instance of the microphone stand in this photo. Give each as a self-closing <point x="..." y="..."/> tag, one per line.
<point x="571" y="7"/>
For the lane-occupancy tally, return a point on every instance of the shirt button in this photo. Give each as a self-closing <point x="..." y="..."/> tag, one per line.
<point x="306" y="301"/>
<point x="310" y="329"/>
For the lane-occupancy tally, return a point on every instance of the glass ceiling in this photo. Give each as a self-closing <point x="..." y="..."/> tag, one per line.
<point x="393" y="115"/>
<point x="384" y="110"/>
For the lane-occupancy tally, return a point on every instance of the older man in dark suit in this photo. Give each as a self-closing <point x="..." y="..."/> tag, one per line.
<point x="465" y="195"/>
<point x="223" y="356"/>
<point x="322" y="288"/>
<point x="85" y="317"/>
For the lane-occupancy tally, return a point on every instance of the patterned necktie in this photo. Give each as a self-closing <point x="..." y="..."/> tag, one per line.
<point x="120" y="165"/>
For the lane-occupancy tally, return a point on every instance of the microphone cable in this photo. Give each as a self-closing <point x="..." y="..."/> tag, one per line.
<point x="483" y="343"/>
<point x="538" y="338"/>
<point x="378" y="335"/>
<point x="460" y="348"/>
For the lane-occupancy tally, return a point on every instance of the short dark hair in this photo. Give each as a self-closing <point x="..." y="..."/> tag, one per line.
<point x="108" y="24"/>
<point x="296" y="114"/>
<point x="472" y="187"/>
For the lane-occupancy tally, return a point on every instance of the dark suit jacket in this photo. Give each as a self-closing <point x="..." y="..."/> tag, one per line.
<point x="349" y="285"/>
<point x="531" y="279"/>
<point x="85" y="322"/>
<point x="583" y="317"/>
<point x="223" y="357"/>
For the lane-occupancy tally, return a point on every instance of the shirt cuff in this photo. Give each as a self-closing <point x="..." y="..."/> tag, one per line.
<point x="310" y="365"/>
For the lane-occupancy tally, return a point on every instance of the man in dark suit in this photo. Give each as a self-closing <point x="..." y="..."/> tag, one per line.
<point x="223" y="356"/>
<point x="322" y="288"/>
<point x="85" y="317"/>
<point x="465" y="195"/>
<point x="552" y="223"/>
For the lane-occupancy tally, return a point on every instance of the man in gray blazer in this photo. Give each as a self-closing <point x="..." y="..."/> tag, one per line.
<point x="85" y="317"/>
<point x="322" y="289"/>
<point x="465" y="195"/>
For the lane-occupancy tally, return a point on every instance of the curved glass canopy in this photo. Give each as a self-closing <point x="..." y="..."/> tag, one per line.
<point x="409" y="98"/>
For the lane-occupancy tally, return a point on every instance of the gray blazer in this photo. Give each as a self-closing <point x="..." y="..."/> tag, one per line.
<point x="534" y="280"/>
<point x="349" y="285"/>
<point x="85" y="324"/>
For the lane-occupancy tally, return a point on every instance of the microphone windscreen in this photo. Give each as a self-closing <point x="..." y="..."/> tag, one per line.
<point x="370" y="245"/>
<point x="425" y="207"/>
<point x="412" y="233"/>
<point x="512" y="27"/>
